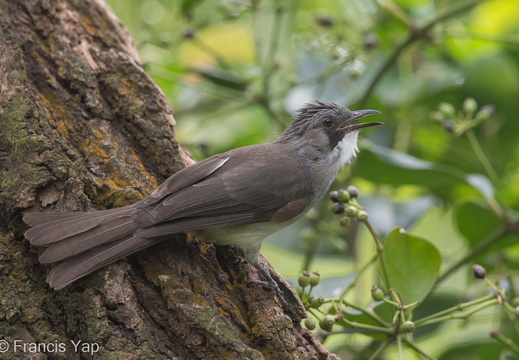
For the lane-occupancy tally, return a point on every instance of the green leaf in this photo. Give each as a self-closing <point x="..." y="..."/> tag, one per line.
<point x="412" y="263"/>
<point x="387" y="166"/>
<point x="384" y="165"/>
<point x="475" y="221"/>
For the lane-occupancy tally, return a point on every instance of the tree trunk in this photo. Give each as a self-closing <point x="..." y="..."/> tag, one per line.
<point x="83" y="127"/>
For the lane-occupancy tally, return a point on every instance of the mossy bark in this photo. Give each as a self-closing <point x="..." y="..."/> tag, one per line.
<point x="83" y="127"/>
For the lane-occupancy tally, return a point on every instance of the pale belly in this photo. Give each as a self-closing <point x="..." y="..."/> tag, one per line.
<point x="249" y="237"/>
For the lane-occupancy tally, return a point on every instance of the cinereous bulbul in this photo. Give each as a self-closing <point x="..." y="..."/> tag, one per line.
<point x="236" y="198"/>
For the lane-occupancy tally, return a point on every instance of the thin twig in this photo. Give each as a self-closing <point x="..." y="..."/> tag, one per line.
<point x="478" y="249"/>
<point x="419" y="351"/>
<point x="415" y="34"/>
<point x="380" y="252"/>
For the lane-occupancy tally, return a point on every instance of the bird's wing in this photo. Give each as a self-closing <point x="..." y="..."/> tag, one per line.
<point x="185" y="178"/>
<point x="251" y="186"/>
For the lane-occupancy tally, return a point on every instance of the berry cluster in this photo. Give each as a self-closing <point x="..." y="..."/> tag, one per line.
<point x="345" y="202"/>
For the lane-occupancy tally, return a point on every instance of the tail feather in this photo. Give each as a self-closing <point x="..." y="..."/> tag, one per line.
<point x="83" y="242"/>
<point x="72" y="269"/>
<point x="115" y="229"/>
<point x="37" y="218"/>
<point x="54" y="228"/>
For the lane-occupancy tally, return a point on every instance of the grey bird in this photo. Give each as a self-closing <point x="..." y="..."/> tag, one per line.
<point x="235" y="198"/>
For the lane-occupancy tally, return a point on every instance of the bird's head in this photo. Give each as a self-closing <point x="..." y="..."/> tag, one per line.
<point x="326" y="129"/>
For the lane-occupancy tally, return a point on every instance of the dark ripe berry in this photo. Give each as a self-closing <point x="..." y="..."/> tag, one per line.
<point x="353" y="191"/>
<point x="485" y="112"/>
<point x="325" y="21"/>
<point x="370" y="41"/>
<point x="188" y="33"/>
<point x="334" y="196"/>
<point x="338" y="208"/>
<point x="448" y="126"/>
<point x="479" y="271"/>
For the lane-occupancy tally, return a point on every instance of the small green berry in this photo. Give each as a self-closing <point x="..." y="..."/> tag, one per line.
<point x="447" y="109"/>
<point x="310" y="323"/>
<point x="362" y="216"/>
<point x="303" y="279"/>
<point x="327" y="322"/>
<point x="470" y="106"/>
<point x="316" y="302"/>
<point x="345" y="221"/>
<point x="408" y="326"/>
<point x="351" y="211"/>
<point x="377" y="294"/>
<point x="315" y="278"/>
<point x="344" y="196"/>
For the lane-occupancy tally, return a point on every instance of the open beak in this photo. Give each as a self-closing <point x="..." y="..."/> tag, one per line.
<point x="357" y="115"/>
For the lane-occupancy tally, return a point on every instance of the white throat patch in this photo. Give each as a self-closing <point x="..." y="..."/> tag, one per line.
<point x="346" y="149"/>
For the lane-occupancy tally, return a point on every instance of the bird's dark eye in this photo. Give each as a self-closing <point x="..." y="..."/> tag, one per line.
<point x="327" y="122"/>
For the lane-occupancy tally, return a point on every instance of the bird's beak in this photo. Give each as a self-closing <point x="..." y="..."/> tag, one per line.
<point x="357" y="115"/>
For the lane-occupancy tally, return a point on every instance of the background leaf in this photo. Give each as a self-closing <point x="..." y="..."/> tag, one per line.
<point x="387" y="166"/>
<point x="468" y="218"/>
<point x="413" y="264"/>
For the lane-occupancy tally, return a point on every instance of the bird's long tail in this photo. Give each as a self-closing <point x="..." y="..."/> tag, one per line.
<point x="82" y="242"/>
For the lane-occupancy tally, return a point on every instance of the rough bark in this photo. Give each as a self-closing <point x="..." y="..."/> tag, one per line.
<point x="83" y="127"/>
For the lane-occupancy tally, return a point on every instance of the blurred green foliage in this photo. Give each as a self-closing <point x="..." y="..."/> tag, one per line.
<point x="444" y="74"/>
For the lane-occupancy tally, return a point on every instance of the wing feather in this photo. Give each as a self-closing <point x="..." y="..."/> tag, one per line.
<point x="265" y="187"/>
<point x="185" y="178"/>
